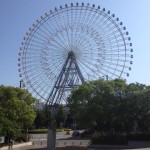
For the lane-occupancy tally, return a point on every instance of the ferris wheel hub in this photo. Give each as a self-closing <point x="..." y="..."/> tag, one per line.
<point x="71" y="54"/>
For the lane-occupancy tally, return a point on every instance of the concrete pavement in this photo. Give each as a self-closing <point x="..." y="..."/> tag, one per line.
<point x="65" y="142"/>
<point x="30" y="146"/>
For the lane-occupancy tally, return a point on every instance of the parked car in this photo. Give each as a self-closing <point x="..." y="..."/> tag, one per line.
<point x="76" y="133"/>
<point x="68" y="131"/>
<point x="87" y="133"/>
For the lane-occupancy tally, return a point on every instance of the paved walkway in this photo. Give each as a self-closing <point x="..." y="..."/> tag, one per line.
<point x="29" y="146"/>
<point x="38" y="142"/>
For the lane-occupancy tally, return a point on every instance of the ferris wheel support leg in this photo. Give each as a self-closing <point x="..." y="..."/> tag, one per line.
<point x="51" y="138"/>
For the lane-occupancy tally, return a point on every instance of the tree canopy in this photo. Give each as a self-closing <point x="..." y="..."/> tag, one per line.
<point x="16" y="109"/>
<point x="112" y="106"/>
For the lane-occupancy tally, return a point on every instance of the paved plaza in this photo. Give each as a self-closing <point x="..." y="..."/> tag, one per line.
<point x="37" y="147"/>
<point x="66" y="142"/>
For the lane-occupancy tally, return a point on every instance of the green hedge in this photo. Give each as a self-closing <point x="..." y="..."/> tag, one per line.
<point x="37" y="131"/>
<point x="119" y="139"/>
<point x="110" y="140"/>
<point x="22" y="138"/>
<point x="139" y="137"/>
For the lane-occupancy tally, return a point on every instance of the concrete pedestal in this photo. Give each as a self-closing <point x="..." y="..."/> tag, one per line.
<point x="51" y="139"/>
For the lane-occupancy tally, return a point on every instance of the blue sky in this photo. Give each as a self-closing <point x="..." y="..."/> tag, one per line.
<point x="16" y="16"/>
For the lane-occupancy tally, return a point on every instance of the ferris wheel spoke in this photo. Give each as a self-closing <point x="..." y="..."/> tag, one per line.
<point x="37" y="38"/>
<point x="110" y="73"/>
<point x="52" y="47"/>
<point x="77" y="20"/>
<point x="36" y="35"/>
<point x="115" y="40"/>
<point x="48" y="37"/>
<point x="86" y="40"/>
<point x="85" y="16"/>
<point x="84" y="69"/>
<point x="75" y="23"/>
<point x="82" y="38"/>
<point x="88" y="64"/>
<point x="107" y="30"/>
<point x="86" y="43"/>
<point x="36" y="77"/>
<point x="103" y="25"/>
<point x="68" y="23"/>
<point x="40" y="87"/>
<point x="114" y="34"/>
<point x="114" y="50"/>
<point x="110" y="67"/>
<point x="36" y="44"/>
<point x="57" y="68"/>
<point x="55" y="44"/>
<point x="72" y="25"/>
<point x="95" y="44"/>
<point x="109" y="24"/>
<point x="106" y="66"/>
<point x="116" y="64"/>
<point x="42" y="34"/>
<point x="62" y="29"/>
<point x="82" y="20"/>
<point x="65" y="25"/>
<point x="95" y="17"/>
<point x="48" y="89"/>
<point x="117" y="59"/>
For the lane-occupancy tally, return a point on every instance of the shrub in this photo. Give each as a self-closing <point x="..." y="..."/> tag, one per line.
<point x="22" y="138"/>
<point x="139" y="137"/>
<point x="110" y="140"/>
<point x="37" y="131"/>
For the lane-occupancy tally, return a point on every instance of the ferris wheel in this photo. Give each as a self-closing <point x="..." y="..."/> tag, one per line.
<point x="70" y="45"/>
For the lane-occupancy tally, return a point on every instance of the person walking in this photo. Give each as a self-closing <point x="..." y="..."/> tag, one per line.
<point x="10" y="144"/>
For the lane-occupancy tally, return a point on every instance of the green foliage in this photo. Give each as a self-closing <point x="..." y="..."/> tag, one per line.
<point x="49" y="117"/>
<point x="60" y="116"/>
<point x="110" y="139"/>
<point x="40" y="120"/>
<point x="139" y="137"/>
<point x="112" y="106"/>
<point x="22" y="138"/>
<point x="38" y="131"/>
<point x="16" y="110"/>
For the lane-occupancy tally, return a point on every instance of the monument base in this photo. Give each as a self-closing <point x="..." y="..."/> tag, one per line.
<point x="51" y="139"/>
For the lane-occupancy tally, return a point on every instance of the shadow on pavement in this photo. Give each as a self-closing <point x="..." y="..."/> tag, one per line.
<point x="64" y="148"/>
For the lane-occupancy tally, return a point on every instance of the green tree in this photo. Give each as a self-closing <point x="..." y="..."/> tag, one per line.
<point x="16" y="109"/>
<point x="91" y="102"/>
<point x="141" y="105"/>
<point x="111" y="105"/>
<point x="60" y="116"/>
<point x="40" y="120"/>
